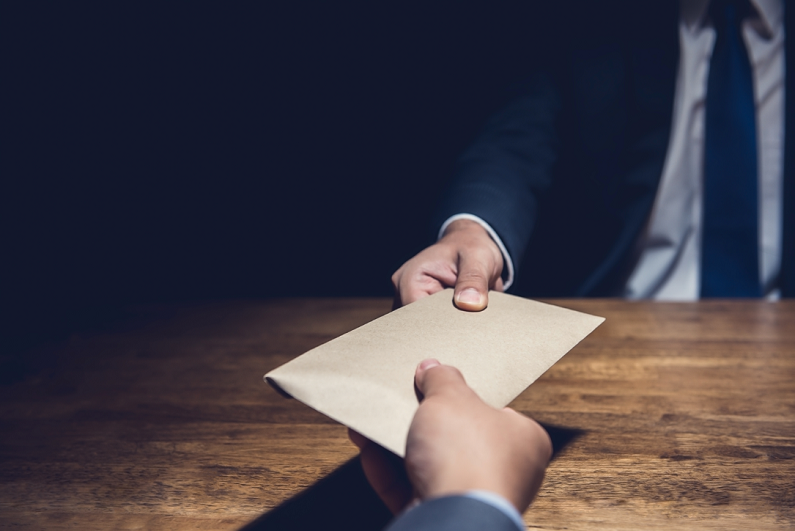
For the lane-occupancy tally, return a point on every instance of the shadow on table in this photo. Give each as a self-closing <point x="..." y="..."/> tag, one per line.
<point x="344" y="499"/>
<point x="341" y="500"/>
<point x="561" y="437"/>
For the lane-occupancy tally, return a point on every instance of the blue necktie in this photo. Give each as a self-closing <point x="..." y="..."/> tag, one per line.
<point x="729" y="247"/>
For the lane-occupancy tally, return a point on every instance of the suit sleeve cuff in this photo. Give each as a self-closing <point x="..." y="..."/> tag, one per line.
<point x="506" y="257"/>
<point x="473" y="511"/>
<point x="498" y="502"/>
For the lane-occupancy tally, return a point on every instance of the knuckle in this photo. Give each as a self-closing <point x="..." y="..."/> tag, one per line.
<point x="450" y="375"/>
<point x="472" y="276"/>
<point x="454" y="371"/>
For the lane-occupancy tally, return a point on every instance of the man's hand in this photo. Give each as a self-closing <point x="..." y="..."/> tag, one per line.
<point x="458" y="443"/>
<point x="465" y="258"/>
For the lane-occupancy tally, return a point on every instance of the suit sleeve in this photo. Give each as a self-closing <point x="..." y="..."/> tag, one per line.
<point x="453" y="513"/>
<point x="499" y="178"/>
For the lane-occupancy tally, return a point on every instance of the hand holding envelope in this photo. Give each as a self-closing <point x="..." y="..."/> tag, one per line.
<point x="364" y="379"/>
<point x="458" y="444"/>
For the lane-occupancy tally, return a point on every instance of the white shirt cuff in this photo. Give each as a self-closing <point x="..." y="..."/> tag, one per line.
<point x="506" y="257"/>
<point x="498" y="502"/>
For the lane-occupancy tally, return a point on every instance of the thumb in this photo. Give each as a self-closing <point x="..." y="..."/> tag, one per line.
<point x="434" y="379"/>
<point x="472" y="284"/>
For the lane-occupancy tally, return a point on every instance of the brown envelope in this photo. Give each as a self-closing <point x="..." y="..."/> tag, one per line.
<point x="365" y="378"/>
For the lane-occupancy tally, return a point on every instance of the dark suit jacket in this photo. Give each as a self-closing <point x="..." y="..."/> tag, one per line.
<point x="453" y="513"/>
<point x="568" y="171"/>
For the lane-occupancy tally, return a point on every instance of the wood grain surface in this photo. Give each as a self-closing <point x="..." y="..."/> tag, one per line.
<point x="674" y="416"/>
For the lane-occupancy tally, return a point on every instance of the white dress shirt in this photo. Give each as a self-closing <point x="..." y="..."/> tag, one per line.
<point x="669" y="250"/>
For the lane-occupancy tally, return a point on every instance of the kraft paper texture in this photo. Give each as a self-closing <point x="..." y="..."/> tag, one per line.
<point x="365" y="379"/>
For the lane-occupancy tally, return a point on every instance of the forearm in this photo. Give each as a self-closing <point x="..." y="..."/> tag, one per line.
<point x="499" y="178"/>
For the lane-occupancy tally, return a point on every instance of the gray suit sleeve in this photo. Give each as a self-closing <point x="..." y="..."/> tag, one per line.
<point x="453" y="513"/>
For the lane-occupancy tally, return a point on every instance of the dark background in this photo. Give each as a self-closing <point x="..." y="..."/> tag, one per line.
<point x="193" y="151"/>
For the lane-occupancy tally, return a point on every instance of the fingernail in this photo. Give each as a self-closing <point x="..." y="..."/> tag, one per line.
<point x="469" y="295"/>
<point x="429" y="363"/>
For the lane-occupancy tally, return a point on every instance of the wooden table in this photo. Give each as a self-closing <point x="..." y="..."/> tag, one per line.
<point x="675" y="416"/>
